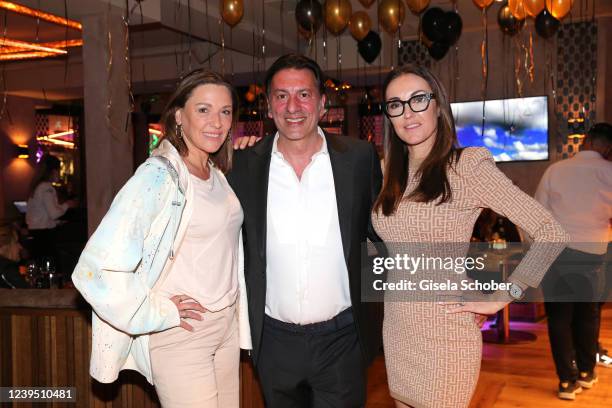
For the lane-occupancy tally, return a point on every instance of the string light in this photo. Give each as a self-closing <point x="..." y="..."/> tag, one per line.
<point x="52" y="18"/>
<point x="54" y="44"/>
<point x="26" y="55"/>
<point x="6" y="42"/>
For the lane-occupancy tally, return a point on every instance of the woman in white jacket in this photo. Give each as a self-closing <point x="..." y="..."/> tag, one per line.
<point x="163" y="271"/>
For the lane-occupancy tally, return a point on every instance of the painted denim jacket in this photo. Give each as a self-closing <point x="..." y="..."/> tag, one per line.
<point x="130" y="253"/>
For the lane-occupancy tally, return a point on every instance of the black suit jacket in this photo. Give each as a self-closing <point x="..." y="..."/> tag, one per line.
<point x="357" y="180"/>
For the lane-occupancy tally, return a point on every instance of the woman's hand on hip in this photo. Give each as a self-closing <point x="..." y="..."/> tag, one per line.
<point x="481" y="308"/>
<point x="188" y="308"/>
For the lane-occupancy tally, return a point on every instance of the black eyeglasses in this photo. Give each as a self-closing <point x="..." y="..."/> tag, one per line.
<point x="417" y="103"/>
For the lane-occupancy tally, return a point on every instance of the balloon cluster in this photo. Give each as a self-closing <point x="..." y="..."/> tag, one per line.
<point x="547" y="14"/>
<point x="441" y="29"/>
<point x="338" y="15"/>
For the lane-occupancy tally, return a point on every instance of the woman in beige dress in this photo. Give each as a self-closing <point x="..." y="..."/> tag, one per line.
<point x="433" y="193"/>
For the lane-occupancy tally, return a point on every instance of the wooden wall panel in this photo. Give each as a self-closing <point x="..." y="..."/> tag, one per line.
<point x="51" y="347"/>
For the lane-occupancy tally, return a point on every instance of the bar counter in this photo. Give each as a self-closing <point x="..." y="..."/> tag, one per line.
<point x="45" y="341"/>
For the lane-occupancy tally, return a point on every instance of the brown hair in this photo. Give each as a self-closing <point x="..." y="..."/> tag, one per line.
<point x="434" y="184"/>
<point x="187" y="83"/>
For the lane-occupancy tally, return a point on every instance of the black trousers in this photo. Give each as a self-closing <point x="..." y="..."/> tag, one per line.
<point x="573" y="320"/>
<point x="318" y="365"/>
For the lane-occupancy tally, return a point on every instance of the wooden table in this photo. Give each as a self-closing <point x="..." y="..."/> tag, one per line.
<point x="45" y="340"/>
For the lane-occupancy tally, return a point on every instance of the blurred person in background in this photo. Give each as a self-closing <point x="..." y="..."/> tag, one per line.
<point x="44" y="210"/>
<point x="578" y="192"/>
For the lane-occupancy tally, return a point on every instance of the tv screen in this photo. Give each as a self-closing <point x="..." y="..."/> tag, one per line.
<point x="514" y="129"/>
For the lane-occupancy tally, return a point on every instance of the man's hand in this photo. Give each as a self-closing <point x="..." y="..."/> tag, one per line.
<point x="243" y="142"/>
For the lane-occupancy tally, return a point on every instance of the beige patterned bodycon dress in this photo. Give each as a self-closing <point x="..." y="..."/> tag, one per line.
<point x="433" y="358"/>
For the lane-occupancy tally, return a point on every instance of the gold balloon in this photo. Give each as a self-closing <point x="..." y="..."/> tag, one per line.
<point x="559" y="8"/>
<point x="417" y="6"/>
<point x="483" y="4"/>
<point x="391" y="14"/>
<point x="337" y="15"/>
<point x="517" y="8"/>
<point x="366" y="3"/>
<point x="533" y="7"/>
<point x="232" y="11"/>
<point x="360" y="25"/>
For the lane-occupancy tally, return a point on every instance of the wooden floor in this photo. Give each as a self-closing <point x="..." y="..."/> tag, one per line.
<point x="520" y="375"/>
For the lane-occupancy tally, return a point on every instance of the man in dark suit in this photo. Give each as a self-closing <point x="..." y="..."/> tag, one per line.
<point x="307" y="198"/>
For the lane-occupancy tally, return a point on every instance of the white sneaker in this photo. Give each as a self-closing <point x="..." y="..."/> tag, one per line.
<point x="604" y="360"/>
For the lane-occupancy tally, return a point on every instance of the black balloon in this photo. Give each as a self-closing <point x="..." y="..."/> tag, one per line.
<point x="309" y="15"/>
<point x="442" y="27"/>
<point x="453" y="26"/>
<point x="433" y="24"/>
<point x="369" y="47"/>
<point x="438" y="50"/>
<point x="546" y="25"/>
<point x="507" y="22"/>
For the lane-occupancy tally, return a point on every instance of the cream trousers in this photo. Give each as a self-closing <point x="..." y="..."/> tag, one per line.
<point x="199" y="368"/>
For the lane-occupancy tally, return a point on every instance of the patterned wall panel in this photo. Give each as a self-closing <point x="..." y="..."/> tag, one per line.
<point x="371" y="129"/>
<point x="42" y="124"/>
<point x="414" y="52"/>
<point x="576" y="81"/>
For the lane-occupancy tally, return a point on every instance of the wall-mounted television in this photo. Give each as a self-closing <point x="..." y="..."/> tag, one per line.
<point x="514" y="129"/>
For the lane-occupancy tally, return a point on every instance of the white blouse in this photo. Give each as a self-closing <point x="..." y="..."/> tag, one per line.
<point x="43" y="208"/>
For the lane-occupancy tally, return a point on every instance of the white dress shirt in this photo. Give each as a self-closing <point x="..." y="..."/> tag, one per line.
<point x="307" y="276"/>
<point x="578" y="192"/>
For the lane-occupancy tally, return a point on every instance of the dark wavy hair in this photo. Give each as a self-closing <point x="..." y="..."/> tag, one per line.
<point x="44" y="170"/>
<point x="433" y="184"/>
<point x="187" y="83"/>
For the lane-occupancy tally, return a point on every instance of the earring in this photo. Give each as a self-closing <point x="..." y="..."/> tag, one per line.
<point x="179" y="130"/>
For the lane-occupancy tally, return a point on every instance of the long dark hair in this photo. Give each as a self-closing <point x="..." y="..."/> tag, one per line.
<point x="223" y="157"/>
<point x="433" y="184"/>
<point x="44" y="171"/>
